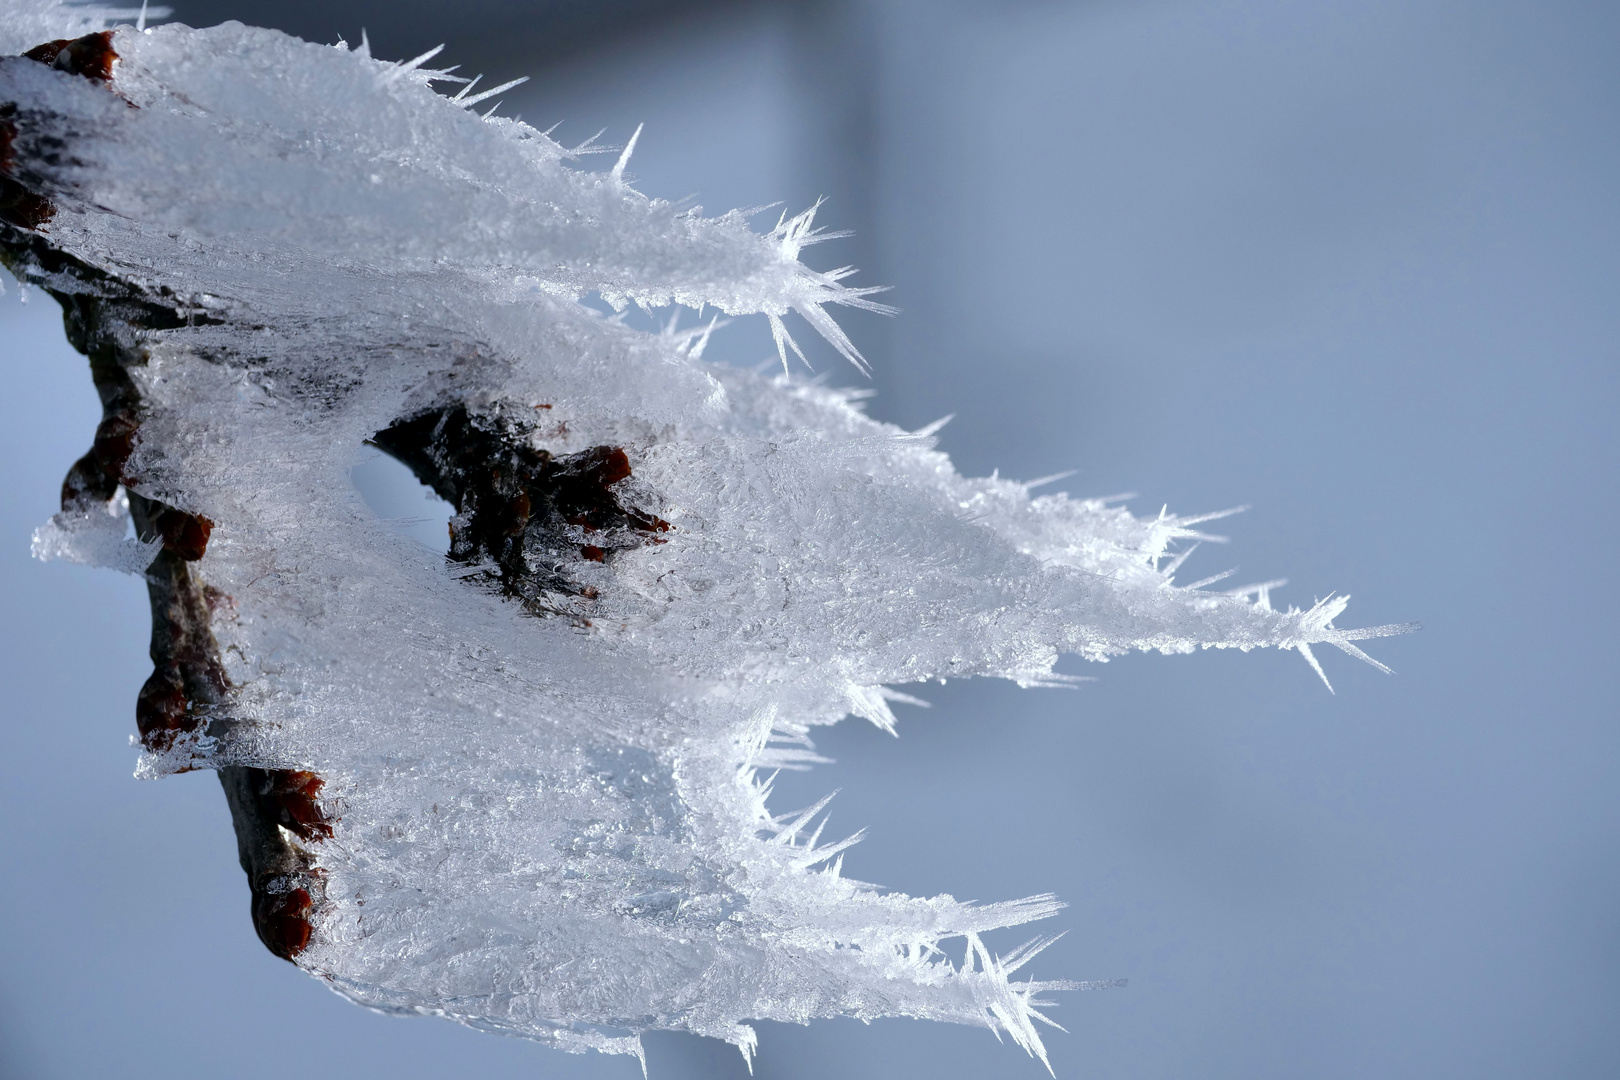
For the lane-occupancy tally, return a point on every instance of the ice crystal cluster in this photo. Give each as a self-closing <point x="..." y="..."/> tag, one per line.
<point x="535" y="774"/>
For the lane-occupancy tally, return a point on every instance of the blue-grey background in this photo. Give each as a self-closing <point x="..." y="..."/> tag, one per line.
<point x="1352" y="262"/>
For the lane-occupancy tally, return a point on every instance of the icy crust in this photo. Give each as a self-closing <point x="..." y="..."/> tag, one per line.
<point x="354" y="172"/>
<point x="557" y="827"/>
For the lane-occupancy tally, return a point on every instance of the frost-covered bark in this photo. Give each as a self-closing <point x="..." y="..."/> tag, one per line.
<point x="526" y="786"/>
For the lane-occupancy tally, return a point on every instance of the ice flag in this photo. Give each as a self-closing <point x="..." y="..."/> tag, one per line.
<point x="525" y="786"/>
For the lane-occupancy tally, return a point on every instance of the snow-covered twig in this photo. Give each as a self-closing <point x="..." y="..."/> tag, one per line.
<point x="525" y="789"/>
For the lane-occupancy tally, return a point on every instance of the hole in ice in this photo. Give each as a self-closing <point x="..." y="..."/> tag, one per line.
<point x="395" y="495"/>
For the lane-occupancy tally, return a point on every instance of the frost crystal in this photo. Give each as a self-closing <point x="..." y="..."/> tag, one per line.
<point x="526" y="786"/>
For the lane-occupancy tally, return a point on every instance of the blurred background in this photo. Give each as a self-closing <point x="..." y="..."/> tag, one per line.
<point x="1353" y="262"/>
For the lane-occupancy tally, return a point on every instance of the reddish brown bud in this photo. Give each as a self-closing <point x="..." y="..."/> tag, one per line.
<point x="86" y="485"/>
<point x="607" y="465"/>
<point x="294" y="797"/>
<point x="184" y="534"/>
<point x="115" y="442"/>
<point x="281" y="917"/>
<point x="21" y="207"/>
<point x="91" y="56"/>
<point x="160" y="710"/>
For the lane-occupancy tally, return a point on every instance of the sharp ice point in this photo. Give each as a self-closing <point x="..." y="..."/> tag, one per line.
<point x="624" y="157"/>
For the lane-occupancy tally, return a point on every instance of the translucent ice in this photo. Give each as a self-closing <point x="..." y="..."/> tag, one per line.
<point x="529" y="782"/>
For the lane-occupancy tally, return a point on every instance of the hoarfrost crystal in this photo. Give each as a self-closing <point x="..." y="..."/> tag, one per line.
<point x="525" y="787"/>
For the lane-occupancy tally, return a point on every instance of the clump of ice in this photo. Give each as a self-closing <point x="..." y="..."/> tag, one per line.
<point x="558" y="827"/>
<point x="95" y="536"/>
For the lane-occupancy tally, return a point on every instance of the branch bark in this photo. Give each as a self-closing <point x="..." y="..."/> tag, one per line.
<point x="276" y="813"/>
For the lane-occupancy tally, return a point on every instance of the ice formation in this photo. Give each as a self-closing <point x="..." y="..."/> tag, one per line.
<point x="524" y="787"/>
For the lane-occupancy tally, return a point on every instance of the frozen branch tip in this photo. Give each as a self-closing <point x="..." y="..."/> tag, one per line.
<point x="526" y="786"/>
